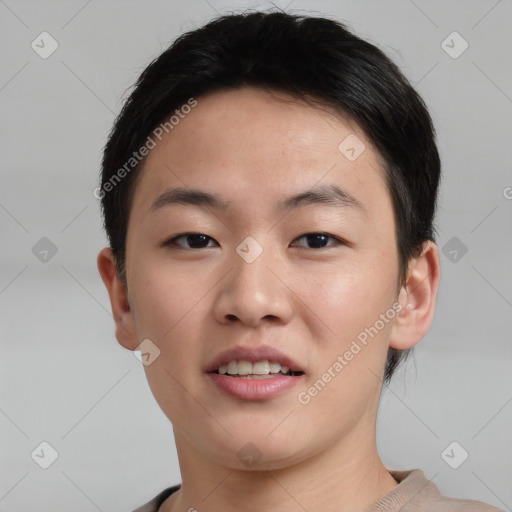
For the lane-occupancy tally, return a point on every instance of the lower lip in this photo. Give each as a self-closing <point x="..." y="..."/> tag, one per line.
<point x="253" y="389"/>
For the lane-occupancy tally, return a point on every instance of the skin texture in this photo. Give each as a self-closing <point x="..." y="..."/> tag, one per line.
<point x="254" y="149"/>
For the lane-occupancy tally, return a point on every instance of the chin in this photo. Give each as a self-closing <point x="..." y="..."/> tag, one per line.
<point x="258" y="452"/>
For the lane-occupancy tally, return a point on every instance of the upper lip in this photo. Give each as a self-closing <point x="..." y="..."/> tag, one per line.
<point x="252" y="354"/>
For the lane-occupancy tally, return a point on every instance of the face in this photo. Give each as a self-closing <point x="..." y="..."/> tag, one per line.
<point x="308" y="278"/>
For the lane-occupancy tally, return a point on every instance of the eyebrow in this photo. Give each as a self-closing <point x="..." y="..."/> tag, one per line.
<point x="330" y="195"/>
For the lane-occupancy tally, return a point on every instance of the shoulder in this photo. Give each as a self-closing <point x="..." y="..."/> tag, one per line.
<point x="446" y="504"/>
<point x="415" y="493"/>
<point x="154" y="504"/>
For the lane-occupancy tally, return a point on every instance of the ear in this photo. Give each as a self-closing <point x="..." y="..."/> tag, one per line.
<point x="417" y="298"/>
<point x="126" y="332"/>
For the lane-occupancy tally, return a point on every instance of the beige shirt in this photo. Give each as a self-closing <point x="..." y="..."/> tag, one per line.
<point x="414" y="493"/>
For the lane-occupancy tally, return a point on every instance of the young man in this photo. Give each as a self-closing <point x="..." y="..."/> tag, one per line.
<point x="269" y="191"/>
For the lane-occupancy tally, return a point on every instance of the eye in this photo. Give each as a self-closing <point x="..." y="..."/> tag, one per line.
<point x="195" y="241"/>
<point x="318" y="240"/>
<point x="200" y="240"/>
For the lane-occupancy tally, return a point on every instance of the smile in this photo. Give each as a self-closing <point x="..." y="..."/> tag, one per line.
<point x="258" y="369"/>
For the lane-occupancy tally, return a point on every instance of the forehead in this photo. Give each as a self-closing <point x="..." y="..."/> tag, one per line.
<point x="247" y="143"/>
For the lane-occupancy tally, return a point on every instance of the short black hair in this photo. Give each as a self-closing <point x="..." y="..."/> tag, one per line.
<point x="310" y="58"/>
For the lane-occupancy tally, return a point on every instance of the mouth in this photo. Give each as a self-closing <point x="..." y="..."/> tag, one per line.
<point x="243" y="369"/>
<point x="254" y="373"/>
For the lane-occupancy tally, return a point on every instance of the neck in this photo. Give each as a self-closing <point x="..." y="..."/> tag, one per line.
<point x="347" y="477"/>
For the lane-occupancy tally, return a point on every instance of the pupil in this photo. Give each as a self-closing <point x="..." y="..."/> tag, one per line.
<point x="192" y="238"/>
<point x="311" y="239"/>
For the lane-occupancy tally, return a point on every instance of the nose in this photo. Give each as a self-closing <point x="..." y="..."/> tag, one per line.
<point x="254" y="293"/>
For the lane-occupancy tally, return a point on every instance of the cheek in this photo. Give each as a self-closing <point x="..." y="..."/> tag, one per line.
<point x="170" y="310"/>
<point x="349" y="299"/>
<point x="171" y="307"/>
<point x="352" y="352"/>
<point x="162" y="298"/>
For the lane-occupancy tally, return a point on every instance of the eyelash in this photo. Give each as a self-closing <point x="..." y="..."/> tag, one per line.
<point x="172" y="241"/>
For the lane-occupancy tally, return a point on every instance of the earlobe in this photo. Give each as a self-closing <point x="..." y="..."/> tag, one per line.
<point x="417" y="299"/>
<point x="126" y="333"/>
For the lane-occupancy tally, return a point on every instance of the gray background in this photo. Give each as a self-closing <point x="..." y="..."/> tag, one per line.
<point x="64" y="378"/>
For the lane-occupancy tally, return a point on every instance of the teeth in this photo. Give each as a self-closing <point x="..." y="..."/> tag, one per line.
<point x="243" y="367"/>
<point x="274" y="367"/>
<point x="233" y="367"/>
<point x="260" y="368"/>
